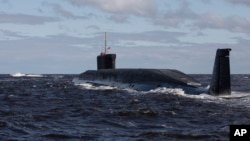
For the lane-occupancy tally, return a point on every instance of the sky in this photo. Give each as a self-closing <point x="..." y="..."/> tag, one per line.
<point x="65" y="36"/>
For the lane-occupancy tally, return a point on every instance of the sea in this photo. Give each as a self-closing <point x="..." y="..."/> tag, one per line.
<point x="53" y="108"/>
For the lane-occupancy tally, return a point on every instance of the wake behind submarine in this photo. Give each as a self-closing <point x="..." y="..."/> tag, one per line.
<point x="147" y="79"/>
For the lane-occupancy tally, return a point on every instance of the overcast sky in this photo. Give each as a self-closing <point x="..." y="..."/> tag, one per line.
<point x="65" y="36"/>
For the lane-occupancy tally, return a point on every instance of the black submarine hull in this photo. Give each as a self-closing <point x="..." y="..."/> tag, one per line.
<point x="147" y="79"/>
<point x="139" y="79"/>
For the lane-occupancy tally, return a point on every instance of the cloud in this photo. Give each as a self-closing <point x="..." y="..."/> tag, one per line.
<point x="64" y="13"/>
<point x="146" y="39"/>
<point x="94" y="27"/>
<point x="51" y="54"/>
<point x="6" y="34"/>
<point x="216" y="21"/>
<point x="125" y="7"/>
<point x="174" y="18"/>
<point x="69" y="54"/>
<point x="25" y="19"/>
<point x="185" y="16"/>
<point x="119" y="18"/>
<point x="242" y="2"/>
<point x="149" y="36"/>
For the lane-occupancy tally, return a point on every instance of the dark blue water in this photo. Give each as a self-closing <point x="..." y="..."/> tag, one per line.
<point x="53" y="108"/>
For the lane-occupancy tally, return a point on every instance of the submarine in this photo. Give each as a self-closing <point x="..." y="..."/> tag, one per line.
<point x="146" y="79"/>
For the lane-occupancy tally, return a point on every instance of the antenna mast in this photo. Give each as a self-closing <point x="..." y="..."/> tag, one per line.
<point x="105" y="43"/>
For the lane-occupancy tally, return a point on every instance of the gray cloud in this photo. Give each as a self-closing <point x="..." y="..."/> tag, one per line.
<point x="207" y="20"/>
<point x="68" y="54"/>
<point x="183" y="16"/>
<point x="146" y="8"/>
<point x="94" y="27"/>
<point x="4" y="1"/>
<point x="51" y="54"/>
<point x="25" y="19"/>
<point x="215" y="21"/>
<point x="119" y="18"/>
<point x="65" y="13"/>
<point x="149" y="36"/>
<point x="174" y="18"/>
<point x="134" y="40"/>
<point x="9" y="33"/>
<point x="243" y="2"/>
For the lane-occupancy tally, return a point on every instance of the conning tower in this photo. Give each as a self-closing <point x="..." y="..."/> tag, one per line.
<point x="106" y="61"/>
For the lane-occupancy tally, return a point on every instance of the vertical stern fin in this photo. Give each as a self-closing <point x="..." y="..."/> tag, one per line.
<point x="221" y="77"/>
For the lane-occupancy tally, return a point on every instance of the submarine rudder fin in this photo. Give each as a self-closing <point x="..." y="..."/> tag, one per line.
<point x="221" y="77"/>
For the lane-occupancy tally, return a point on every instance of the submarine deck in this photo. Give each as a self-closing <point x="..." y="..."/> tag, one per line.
<point x="149" y="76"/>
